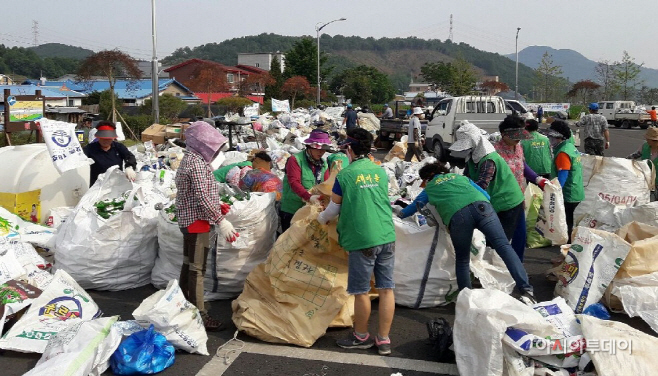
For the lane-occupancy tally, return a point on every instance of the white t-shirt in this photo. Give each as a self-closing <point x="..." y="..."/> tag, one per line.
<point x="414" y="123"/>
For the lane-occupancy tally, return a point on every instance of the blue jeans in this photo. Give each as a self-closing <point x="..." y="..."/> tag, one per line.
<point x="363" y="262"/>
<point x="481" y="215"/>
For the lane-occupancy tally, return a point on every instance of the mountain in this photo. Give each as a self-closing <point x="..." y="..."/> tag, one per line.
<point x="574" y="65"/>
<point x="400" y="58"/>
<point x="61" y="50"/>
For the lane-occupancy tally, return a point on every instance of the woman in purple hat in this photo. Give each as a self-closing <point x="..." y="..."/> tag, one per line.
<point x="303" y="171"/>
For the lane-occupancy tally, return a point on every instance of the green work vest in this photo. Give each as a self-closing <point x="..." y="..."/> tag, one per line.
<point x="504" y="189"/>
<point x="220" y="173"/>
<point x="290" y="202"/>
<point x="572" y="190"/>
<point x="449" y="193"/>
<point x="537" y="152"/>
<point x="338" y="157"/>
<point x="646" y="155"/>
<point x="366" y="216"/>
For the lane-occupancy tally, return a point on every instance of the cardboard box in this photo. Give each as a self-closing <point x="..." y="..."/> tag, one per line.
<point x="176" y="130"/>
<point x="26" y="205"/>
<point x="155" y="133"/>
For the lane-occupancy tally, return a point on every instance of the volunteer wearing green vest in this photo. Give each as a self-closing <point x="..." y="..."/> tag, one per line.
<point x="366" y="231"/>
<point x="649" y="152"/>
<point x="537" y="151"/>
<point x="303" y="171"/>
<point x="220" y="173"/>
<point x="463" y="207"/>
<point x="490" y="171"/>
<point x="567" y="168"/>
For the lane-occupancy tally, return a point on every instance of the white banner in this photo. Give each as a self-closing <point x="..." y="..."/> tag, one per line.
<point x="549" y="106"/>
<point x="280" y="106"/>
<point x="252" y="110"/>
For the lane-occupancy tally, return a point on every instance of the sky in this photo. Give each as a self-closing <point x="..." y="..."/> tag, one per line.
<point x="599" y="30"/>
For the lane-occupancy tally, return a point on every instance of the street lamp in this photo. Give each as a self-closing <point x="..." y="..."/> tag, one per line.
<point x="317" y="30"/>
<point x="155" y="85"/>
<point x="516" y="88"/>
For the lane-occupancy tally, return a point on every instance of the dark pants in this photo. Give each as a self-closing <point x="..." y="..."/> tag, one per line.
<point x="509" y="219"/>
<point x="594" y="146"/>
<point x="412" y="150"/>
<point x="519" y="239"/>
<point x="195" y="254"/>
<point x="482" y="216"/>
<point x="285" y="220"/>
<point x="569" y="208"/>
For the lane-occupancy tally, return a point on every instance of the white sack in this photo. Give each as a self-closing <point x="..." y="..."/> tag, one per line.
<point x="488" y="267"/>
<point x="19" y="260"/>
<point x="228" y="265"/>
<point x="607" y="216"/>
<point x="175" y="318"/>
<point x="63" y="145"/>
<point x="59" y="215"/>
<point x="80" y="349"/>
<point x="16" y="295"/>
<point x="551" y="219"/>
<point x="13" y="227"/>
<point x="112" y="254"/>
<point x="169" y="262"/>
<point x="590" y="265"/>
<point x="639" y="296"/>
<point x="60" y="304"/>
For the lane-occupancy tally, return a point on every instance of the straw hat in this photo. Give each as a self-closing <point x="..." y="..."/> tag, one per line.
<point x="652" y="134"/>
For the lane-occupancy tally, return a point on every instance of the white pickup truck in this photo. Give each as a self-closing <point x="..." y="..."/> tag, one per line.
<point x="624" y="114"/>
<point x="484" y="111"/>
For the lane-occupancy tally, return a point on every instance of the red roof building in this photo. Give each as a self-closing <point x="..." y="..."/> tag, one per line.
<point x="186" y="71"/>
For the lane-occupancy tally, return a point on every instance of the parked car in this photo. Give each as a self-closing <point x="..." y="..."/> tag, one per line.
<point x="518" y="107"/>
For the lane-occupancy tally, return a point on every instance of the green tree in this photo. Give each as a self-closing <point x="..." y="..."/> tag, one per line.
<point x="584" y="91"/>
<point x="196" y="110"/>
<point x="110" y="64"/>
<point x="233" y="105"/>
<point x="604" y="71"/>
<point x="547" y="72"/>
<point x="92" y="98"/>
<point x="626" y="74"/>
<point x="106" y="106"/>
<point x="302" y="60"/>
<point x="170" y="106"/>
<point x="463" y="77"/>
<point x="364" y="85"/>
<point x="438" y="74"/>
<point x="274" y="89"/>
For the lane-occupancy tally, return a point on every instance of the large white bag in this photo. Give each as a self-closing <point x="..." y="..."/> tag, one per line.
<point x="13" y="227"/>
<point x="16" y="295"/>
<point x="552" y="219"/>
<point x="639" y="297"/>
<point x="112" y="254"/>
<point x="61" y="303"/>
<point x="19" y="260"/>
<point x="169" y="262"/>
<point x="174" y="317"/>
<point x="80" y="349"/>
<point x="63" y="145"/>
<point x="623" y="182"/>
<point x="229" y="264"/>
<point x="591" y="263"/>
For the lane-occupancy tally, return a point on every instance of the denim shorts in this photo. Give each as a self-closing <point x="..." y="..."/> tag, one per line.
<point x="363" y="262"/>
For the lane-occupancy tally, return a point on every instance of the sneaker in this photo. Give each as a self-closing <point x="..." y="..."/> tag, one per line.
<point x="354" y="342"/>
<point x="528" y="298"/>
<point x="383" y="346"/>
<point x="211" y="324"/>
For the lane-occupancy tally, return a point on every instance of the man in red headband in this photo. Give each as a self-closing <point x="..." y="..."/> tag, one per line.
<point x="107" y="152"/>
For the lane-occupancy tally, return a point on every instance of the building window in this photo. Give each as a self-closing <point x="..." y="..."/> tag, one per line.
<point x="178" y="94"/>
<point x="257" y="65"/>
<point x="229" y="78"/>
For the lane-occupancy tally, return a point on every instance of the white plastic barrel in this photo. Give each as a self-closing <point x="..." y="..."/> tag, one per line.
<point x="29" y="167"/>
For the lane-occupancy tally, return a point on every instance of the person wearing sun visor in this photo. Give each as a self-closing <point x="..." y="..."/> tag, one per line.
<point x="108" y="152"/>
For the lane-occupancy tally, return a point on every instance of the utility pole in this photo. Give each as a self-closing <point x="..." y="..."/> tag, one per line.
<point x="155" y="95"/>
<point x="35" y="33"/>
<point x="450" y="36"/>
<point x="516" y="85"/>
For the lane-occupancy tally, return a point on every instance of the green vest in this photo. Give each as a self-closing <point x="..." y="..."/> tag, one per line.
<point x="537" y="152"/>
<point x="338" y="157"/>
<point x="366" y="216"/>
<point x="290" y="202"/>
<point x="504" y="189"/>
<point x="220" y="173"/>
<point x="646" y="155"/>
<point x="573" y="190"/>
<point x="449" y="193"/>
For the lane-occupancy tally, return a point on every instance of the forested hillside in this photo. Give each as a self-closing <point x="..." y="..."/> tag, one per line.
<point x="25" y="62"/>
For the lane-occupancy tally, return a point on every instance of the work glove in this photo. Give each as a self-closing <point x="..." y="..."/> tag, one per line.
<point x="397" y="210"/>
<point x="322" y="219"/>
<point x="225" y="230"/>
<point x="316" y="200"/>
<point x="130" y="173"/>
<point x="224" y="208"/>
<point x="541" y="182"/>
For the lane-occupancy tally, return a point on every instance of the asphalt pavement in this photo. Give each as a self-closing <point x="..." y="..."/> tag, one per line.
<point x="411" y="355"/>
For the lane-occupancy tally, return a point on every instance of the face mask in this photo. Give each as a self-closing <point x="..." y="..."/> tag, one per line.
<point x="461" y="154"/>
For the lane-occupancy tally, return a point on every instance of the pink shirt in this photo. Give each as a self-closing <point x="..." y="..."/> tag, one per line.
<point x="514" y="157"/>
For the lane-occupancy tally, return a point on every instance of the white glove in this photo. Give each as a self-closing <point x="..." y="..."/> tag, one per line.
<point x="315" y="200"/>
<point x="130" y="173"/>
<point x="397" y="210"/>
<point x="541" y="182"/>
<point x="225" y="230"/>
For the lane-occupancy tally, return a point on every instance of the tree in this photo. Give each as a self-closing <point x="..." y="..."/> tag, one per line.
<point x="438" y="74"/>
<point x="234" y="105"/>
<point x="583" y="90"/>
<point x="110" y="64"/>
<point x="302" y="60"/>
<point x="170" y="106"/>
<point x="604" y="71"/>
<point x="106" y="104"/>
<point x="463" y="77"/>
<point x="546" y="75"/>
<point x="209" y="78"/>
<point x="626" y="73"/>
<point x="92" y="98"/>
<point x="274" y="89"/>
<point x="255" y="83"/>
<point x="294" y="87"/>
<point x="364" y="85"/>
<point x="493" y="87"/>
<point x="647" y="95"/>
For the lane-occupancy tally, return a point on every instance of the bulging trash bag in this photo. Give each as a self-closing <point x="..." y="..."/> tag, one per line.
<point x="440" y="334"/>
<point x="143" y="353"/>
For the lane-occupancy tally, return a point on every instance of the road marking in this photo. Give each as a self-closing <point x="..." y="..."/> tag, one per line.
<point x="217" y="366"/>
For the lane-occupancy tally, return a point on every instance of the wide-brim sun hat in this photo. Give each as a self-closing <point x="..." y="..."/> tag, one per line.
<point x="652" y="134"/>
<point x="418" y="110"/>
<point x="319" y="139"/>
<point x="517" y="134"/>
<point x="466" y="135"/>
<point x="106" y="131"/>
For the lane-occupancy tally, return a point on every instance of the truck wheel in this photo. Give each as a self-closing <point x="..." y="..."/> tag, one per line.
<point x="644" y="125"/>
<point x="617" y="124"/>
<point x="626" y="124"/>
<point x="439" y="152"/>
